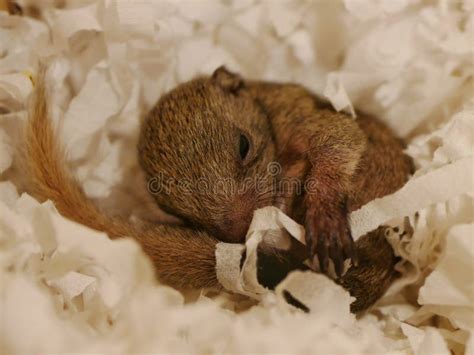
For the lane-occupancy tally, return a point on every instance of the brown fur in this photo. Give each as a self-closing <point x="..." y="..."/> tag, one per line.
<point x="191" y="136"/>
<point x="188" y="139"/>
<point x="353" y="162"/>
<point x="183" y="257"/>
<point x="350" y="161"/>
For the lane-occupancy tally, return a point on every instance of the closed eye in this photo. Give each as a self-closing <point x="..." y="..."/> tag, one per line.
<point x="245" y="149"/>
<point x="244" y="146"/>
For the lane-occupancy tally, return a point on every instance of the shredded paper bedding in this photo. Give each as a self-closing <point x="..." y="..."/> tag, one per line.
<point x="67" y="288"/>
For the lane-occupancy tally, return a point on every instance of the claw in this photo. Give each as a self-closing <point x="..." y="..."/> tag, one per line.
<point x="328" y="237"/>
<point x="322" y="252"/>
<point x="336" y="256"/>
<point x="353" y="255"/>
<point x="348" y="247"/>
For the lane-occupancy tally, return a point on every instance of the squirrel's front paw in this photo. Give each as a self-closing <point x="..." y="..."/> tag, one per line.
<point x="328" y="235"/>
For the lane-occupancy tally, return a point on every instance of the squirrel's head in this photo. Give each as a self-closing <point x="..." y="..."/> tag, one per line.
<point x="207" y="150"/>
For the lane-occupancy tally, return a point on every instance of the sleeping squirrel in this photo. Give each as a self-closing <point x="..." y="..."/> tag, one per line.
<point x="223" y="131"/>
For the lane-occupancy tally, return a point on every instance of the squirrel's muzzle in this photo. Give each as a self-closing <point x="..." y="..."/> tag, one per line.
<point x="233" y="227"/>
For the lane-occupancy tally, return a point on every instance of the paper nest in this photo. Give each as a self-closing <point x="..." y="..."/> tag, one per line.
<point x="67" y="288"/>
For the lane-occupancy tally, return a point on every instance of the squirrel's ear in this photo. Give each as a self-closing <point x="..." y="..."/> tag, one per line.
<point x="227" y="80"/>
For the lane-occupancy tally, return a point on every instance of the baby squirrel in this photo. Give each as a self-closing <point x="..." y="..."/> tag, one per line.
<point x="222" y="131"/>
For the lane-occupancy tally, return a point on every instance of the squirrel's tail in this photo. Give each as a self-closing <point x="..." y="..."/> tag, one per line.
<point x="182" y="257"/>
<point x="47" y="167"/>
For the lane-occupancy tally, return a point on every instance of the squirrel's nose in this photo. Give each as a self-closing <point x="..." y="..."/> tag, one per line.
<point x="233" y="227"/>
<point x="234" y="232"/>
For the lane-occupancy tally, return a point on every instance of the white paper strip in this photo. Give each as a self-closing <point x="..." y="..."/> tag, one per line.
<point x="228" y="256"/>
<point x="436" y="186"/>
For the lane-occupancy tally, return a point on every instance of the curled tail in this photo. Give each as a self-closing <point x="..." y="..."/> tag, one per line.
<point x="51" y="179"/>
<point x="183" y="257"/>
